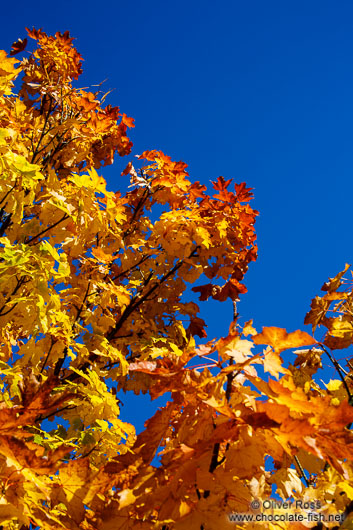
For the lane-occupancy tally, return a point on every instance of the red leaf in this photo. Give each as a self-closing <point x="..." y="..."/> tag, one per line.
<point x="243" y="193"/>
<point x="221" y="184"/>
<point x="197" y="327"/>
<point x="18" y="46"/>
<point x="231" y="290"/>
<point x="204" y="290"/>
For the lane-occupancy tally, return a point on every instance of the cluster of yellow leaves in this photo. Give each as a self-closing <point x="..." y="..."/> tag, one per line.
<point x="94" y="300"/>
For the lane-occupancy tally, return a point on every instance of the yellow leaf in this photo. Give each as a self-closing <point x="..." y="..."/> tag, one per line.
<point x="248" y="328"/>
<point x="239" y="349"/>
<point x="126" y="497"/>
<point x="273" y="363"/>
<point x="184" y="508"/>
<point x="340" y="334"/>
<point x="334" y="384"/>
<point x="347" y="488"/>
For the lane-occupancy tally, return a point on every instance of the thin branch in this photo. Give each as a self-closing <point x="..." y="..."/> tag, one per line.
<point x="61" y="360"/>
<point x="82" y="305"/>
<point x="94" y="448"/>
<point x="214" y="460"/>
<point x="47" y="357"/>
<point x="339" y="370"/>
<point x="135" y="303"/>
<point x="68" y="407"/>
<point x="146" y="194"/>
<point x="56" y="136"/>
<point x="5" y="224"/>
<point x="64" y="217"/>
<point x="8" y="193"/>
<point x="301" y="471"/>
<point x="9" y="310"/>
<point x="19" y="284"/>
<point x="43" y="133"/>
<point x="123" y="273"/>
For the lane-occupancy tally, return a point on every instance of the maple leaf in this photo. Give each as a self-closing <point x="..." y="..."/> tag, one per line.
<point x="205" y="291"/>
<point x="197" y="191"/>
<point x="243" y="193"/>
<point x="204" y="349"/>
<point x="310" y="360"/>
<point x="129" y="122"/>
<point x="248" y="328"/>
<point x="280" y="340"/>
<point x="221" y="184"/>
<point x="334" y="283"/>
<point x="18" y="46"/>
<point x="197" y="327"/>
<point x="101" y="255"/>
<point x="340" y="333"/>
<point x="231" y="290"/>
<point x="273" y="363"/>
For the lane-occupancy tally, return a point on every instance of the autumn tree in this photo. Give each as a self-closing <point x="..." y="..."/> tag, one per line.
<point x="95" y="302"/>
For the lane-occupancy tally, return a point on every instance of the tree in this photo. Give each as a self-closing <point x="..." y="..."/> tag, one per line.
<point x="94" y="302"/>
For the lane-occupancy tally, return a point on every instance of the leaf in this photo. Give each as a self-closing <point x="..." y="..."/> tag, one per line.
<point x="101" y="255"/>
<point x="126" y="497"/>
<point x="197" y="327"/>
<point x="231" y="290"/>
<point x="248" y="328"/>
<point x="287" y="482"/>
<point x="129" y="122"/>
<point x="280" y="340"/>
<point x="238" y="349"/>
<point x="204" y="290"/>
<point x="309" y="360"/>
<point x="242" y="192"/>
<point x="18" y="46"/>
<point x="334" y="283"/>
<point x="340" y="334"/>
<point x="221" y="184"/>
<point x="273" y="363"/>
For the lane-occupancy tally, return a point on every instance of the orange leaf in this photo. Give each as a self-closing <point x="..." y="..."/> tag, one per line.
<point x="101" y="255"/>
<point x="129" y="122"/>
<point x="280" y="340"/>
<point x="334" y="283"/>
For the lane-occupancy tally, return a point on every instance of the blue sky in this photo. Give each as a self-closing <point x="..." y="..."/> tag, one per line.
<point x="258" y="91"/>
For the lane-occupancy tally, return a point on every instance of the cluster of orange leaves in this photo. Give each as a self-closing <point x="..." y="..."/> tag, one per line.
<point x="94" y="302"/>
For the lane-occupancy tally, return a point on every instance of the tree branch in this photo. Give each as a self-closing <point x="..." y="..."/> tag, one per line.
<point x="43" y="133"/>
<point x="340" y="372"/>
<point x="135" y="303"/>
<point x="64" y="217"/>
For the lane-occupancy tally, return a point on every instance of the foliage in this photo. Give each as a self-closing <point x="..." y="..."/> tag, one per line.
<point x="95" y="300"/>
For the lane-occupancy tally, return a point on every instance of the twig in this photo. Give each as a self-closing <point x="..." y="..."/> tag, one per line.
<point x="301" y="471"/>
<point x="64" y="217"/>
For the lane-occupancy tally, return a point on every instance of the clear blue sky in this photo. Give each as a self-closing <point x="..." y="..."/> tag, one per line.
<point x="259" y="91"/>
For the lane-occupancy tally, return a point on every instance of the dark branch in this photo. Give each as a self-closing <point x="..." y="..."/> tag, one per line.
<point x="64" y="217"/>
